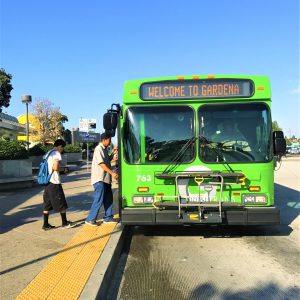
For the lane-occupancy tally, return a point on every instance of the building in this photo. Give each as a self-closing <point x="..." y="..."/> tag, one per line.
<point x="10" y="127"/>
<point x="23" y="120"/>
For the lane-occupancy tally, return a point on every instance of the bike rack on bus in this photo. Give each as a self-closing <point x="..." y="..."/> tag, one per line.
<point x="199" y="178"/>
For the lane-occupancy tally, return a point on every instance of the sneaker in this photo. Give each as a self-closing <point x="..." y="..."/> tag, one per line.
<point x="48" y="227"/>
<point x="69" y="225"/>
<point x="91" y="223"/>
<point x="110" y="220"/>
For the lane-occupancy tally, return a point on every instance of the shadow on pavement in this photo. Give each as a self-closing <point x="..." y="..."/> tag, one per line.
<point x="26" y="214"/>
<point x="222" y="231"/>
<point x="160" y="288"/>
<point x="13" y="209"/>
<point x="268" y="291"/>
<point x="9" y="201"/>
<point x="288" y="201"/>
<point x="145" y="278"/>
<point x="53" y="254"/>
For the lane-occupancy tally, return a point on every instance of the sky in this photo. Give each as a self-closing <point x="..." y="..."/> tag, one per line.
<point x="78" y="54"/>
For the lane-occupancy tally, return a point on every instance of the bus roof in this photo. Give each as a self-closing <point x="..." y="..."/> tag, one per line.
<point x="259" y="86"/>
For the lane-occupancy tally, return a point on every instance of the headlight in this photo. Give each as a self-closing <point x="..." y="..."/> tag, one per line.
<point x="142" y="199"/>
<point x="254" y="199"/>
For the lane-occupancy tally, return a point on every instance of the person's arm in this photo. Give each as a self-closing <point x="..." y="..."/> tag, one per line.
<point x="108" y="170"/>
<point x="115" y="150"/>
<point x="56" y="166"/>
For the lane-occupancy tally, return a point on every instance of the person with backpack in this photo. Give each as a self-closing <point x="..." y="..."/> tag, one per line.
<point x="54" y="197"/>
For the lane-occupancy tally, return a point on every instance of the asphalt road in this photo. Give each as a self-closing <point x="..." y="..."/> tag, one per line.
<point x="217" y="263"/>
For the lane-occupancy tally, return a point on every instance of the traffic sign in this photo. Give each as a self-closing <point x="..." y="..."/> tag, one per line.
<point x="79" y="136"/>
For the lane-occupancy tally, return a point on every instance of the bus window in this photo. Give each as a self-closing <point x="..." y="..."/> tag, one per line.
<point x="158" y="133"/>
<point x="235" y="133"/>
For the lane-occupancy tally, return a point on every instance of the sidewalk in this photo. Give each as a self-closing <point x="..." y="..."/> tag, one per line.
<point x="25" y="248"/>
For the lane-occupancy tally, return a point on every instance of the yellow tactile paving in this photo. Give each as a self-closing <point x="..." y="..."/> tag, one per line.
<point x="66" y="275"/>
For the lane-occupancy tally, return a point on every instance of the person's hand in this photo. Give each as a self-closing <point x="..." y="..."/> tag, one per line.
<point x="115" y="175"/>
<point x="65" y="170"/>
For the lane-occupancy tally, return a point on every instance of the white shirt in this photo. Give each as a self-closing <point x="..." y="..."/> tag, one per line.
<point x="53" y="157"/>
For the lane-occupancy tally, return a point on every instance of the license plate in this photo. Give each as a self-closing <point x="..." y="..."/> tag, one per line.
<point x="197" y="199"/>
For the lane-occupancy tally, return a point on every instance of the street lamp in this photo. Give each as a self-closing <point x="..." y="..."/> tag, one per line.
<point x="27" y="99"/>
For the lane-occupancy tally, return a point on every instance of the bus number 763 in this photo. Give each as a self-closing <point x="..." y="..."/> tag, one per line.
<point x="143" y="178"/>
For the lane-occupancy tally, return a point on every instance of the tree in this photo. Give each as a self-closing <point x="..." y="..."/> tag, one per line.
<point x="5" y="89"/>
<point x="64" y="119"/>
<point x="56" y="124"/>
<point x="48" y="122"/>
<point x="275" y="126"/>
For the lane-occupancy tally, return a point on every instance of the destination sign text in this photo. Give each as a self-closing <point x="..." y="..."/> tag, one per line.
<point x="196" y="89"/>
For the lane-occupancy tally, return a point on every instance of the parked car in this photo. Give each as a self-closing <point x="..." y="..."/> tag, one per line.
<point x="294" y="150"/>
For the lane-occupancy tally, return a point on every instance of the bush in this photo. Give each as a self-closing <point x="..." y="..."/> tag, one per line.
<point x="46" y="148"/>
<point x="37" y="150"/>
<point x="72" y="148"/>
<point x="13" y="150"/>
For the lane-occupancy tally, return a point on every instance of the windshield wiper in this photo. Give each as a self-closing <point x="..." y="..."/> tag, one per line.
<point x="214" y="146"/>
<point x="176" y="160"/>
<point x="221" y="146"/>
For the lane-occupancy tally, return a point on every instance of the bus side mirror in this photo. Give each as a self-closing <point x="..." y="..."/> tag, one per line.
<point x="110" y="120"/>
<point x="110" y="132"/>
<point x="279" y="143"/>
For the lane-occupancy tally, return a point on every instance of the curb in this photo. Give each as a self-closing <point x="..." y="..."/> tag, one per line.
<point x="101" y="277"/>
<point x="9" y="184"/>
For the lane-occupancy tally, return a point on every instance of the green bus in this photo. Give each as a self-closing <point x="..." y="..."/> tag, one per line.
<point x="196" y="150"/>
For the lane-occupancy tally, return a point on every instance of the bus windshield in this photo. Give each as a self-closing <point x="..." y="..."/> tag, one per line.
<point x="154" y="135"/>
<point x="235" y="133"/>
<point x="228" y="133"/>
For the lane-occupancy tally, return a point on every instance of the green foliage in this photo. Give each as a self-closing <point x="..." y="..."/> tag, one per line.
<point x="5" y="89"/>
<point x="288" y="141"/>
<point x="13" y="150"/>
<point x="72" y="148"/>
<point x="292" y="140"/>
<point x="46" y="147"/>
<point x="37" y="150"/>
<point x="275" y="126"/>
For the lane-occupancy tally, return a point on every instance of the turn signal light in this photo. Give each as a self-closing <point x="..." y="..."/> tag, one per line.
<point x="143" y="189"/>
<point x="132" y="92"/>
<point x="254" y="189"/>
<point x="260" y="88"/>
<point x="180" y="77"/>
<point x="210" y="76"/>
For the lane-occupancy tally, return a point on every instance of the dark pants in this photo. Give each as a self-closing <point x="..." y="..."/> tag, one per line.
<point x="54" y="198"/>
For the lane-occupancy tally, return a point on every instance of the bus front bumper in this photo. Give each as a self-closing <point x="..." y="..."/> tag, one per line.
<point x="245" y="216"/>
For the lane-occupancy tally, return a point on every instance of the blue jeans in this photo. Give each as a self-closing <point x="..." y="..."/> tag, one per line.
<point x="102" y="195"/>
